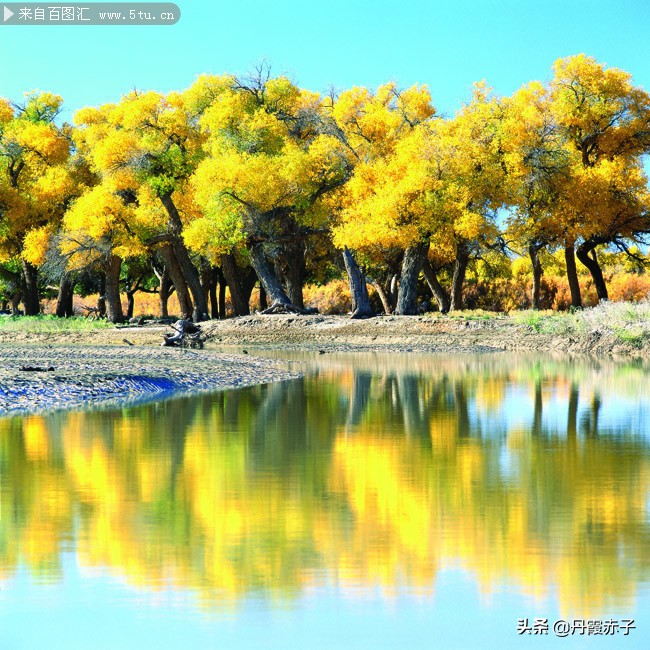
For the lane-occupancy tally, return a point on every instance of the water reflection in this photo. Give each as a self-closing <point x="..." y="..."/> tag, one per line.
<point x="371" y="472"/>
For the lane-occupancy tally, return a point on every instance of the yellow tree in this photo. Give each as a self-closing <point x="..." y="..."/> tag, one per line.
<point x="35" y="184"/>
<point x="610" y="202"/>
<point x="101" y="229"/>
<point x="537" y="165"/>
<point x="438" y="183"/>
<point x="605" y="121"/>
<point x="475" y="181"/>
<point x="271" y="162"/>
<point x="374" y="128"/>
<point x="146" y="147"/>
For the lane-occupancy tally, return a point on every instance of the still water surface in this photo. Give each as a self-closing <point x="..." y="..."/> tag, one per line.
<point x="382" y="501"/>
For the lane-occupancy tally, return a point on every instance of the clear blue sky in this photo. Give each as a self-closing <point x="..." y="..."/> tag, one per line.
<point x="447" y="44"/>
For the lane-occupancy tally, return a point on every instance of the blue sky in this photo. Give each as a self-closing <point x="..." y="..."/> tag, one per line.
<point x="446" y="44"/>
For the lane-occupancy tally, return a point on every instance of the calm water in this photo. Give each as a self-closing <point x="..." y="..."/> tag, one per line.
<point x="383" y="501"/>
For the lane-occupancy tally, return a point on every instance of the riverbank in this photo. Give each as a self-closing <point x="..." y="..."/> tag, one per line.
<point x="614" y="329"/>
<point x="106" y="365"/>
<point x="37" y="378"/>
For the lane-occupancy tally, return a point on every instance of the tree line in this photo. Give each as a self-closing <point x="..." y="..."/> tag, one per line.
<point x="239" y="181"/>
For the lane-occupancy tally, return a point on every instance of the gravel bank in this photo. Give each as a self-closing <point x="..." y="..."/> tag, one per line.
<point x="103" y="375"/>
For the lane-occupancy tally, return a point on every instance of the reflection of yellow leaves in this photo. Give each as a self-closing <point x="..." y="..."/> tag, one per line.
<point x="490" y="394"/>
<point x="37" y="443"/>
<point x="220" y="517"/>
<point x="40" y="544"/>
<point x="443" y="429"/>
<point x="392" y="521"/>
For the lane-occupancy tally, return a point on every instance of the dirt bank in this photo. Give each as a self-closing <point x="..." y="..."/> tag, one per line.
<point x="396" y="333"/>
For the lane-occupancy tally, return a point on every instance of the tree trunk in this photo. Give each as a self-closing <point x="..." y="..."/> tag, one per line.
<point x="249" y="280"/>
<point x="31" y="301"/>
<point x="15" y="303"/>
<point x="572" y="276"/>
<point x="215" y="274"/>
<point x="359" y="291"/>
<point x="177" y="277"/>
<point x="458" y="278"/>
<point x="209" y="280"/>
<point x="263" y="303"/>
<point x="205" y="269"/>
<point x="392" y="294"/>
<point x="113" y="300"/>
<point x="385" y="301"/>
<point x="164" y="291"/>
<point x="414" y="257"/>
<point x="130" y="304"/>
<point x="293" y="272"/>
<point x="267" y="276"/>
<point x="438" y="291"/>
<point x="591" y="262"/>
<point x="533" y="252"/>
<point x="222" y="295"/>
<point x="190" y="274"/>
<point x="101" y="298"/>
<point x="233" y="275"/>
<point x="64" y="301"/>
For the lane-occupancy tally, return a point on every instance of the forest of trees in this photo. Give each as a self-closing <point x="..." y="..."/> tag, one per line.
<point x="239" y="181"/>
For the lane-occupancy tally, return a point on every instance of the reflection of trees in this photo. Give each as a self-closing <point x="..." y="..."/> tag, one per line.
<point x="376" y="474"/>
<point x="538" y="408"/>
<point x="359" y="397"/>
<point x="589" y="424"/>
<point x="572" y="412"/>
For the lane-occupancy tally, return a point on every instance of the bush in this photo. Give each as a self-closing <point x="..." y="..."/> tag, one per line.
<point x="629" y="287"/>
<point x="330" y="298"/>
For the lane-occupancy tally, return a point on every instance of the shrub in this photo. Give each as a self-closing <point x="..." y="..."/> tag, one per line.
<point x="629" y="287"/>
<point x="330" y="298"/>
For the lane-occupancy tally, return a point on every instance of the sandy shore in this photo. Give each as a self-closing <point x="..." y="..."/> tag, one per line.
<point x="105" y="375"/>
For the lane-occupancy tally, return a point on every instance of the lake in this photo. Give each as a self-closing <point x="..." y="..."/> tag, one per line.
<point x="382" y="501"/>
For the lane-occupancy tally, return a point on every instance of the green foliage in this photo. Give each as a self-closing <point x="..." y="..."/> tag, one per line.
<point x="41" y="107"/>
<point x="626" y="322"/>
<point x="634" y="337"/>
<point x="48" y="323"/>
<point x="477" y="315"/>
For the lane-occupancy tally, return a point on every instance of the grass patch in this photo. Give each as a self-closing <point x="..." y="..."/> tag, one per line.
<point x="628" y="322"/>
<point x="634" y="337"/>
<point x="550" y="322"/>
<point x="476" y="314"/>
<point x="46" y="323"/>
